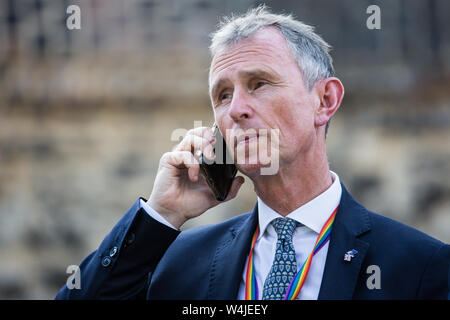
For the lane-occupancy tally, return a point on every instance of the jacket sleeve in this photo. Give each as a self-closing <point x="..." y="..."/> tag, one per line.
<point x="119" y="268"/>
<point x="435" y="282"/>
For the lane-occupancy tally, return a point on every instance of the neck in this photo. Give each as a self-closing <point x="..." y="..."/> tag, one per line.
<point x="295" y="184"/>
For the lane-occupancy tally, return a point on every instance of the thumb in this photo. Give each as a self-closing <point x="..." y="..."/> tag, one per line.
<point x="235" y="186"/>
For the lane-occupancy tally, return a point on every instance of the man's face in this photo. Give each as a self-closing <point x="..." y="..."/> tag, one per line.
<point x="256" y="83"/>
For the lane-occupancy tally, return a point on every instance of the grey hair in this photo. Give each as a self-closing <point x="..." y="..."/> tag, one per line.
<point x="309" y="50"/>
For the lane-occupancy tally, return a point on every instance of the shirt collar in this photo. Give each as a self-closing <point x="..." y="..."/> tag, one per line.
<point x="312" y="214"/>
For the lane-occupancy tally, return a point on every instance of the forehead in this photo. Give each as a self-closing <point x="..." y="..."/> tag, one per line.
<point x="266" y="49"/>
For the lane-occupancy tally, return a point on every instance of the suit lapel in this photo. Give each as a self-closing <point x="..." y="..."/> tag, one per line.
<point x="340" y="276"/>
<point x="229" y="260"/>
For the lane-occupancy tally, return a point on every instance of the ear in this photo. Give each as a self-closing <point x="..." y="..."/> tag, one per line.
<point x="330" y="92"/>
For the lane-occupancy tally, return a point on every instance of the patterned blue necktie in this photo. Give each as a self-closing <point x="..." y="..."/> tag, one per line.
<point x="284" y="266"/>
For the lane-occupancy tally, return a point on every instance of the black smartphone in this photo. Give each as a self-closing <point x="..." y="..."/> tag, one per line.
<point x="219" y="173"/>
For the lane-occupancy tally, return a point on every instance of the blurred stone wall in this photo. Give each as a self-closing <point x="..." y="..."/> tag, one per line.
<point x="86" y="114"/>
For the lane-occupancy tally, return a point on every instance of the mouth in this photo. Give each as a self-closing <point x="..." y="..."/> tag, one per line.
<point x="246" y="138"/>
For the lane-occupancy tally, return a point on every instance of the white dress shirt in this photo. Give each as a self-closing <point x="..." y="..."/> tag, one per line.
<point x="155" y="215"/>
<point x="311" y="216"/>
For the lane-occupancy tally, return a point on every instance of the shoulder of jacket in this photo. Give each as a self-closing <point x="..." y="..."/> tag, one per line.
<point x="396" y="231"/>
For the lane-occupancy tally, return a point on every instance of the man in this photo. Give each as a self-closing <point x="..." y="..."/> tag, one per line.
<point x="306" y="238"/>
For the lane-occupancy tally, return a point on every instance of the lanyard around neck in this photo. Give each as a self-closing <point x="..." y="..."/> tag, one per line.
<point x="251" y="286"/>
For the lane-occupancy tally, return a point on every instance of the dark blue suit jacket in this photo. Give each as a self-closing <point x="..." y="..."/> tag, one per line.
<point x="156" y="262"/>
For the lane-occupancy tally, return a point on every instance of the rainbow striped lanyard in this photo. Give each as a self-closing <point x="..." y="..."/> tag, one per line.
<point x="251" y="287"/>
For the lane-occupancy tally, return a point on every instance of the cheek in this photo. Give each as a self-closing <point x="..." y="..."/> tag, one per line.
<point x="292" y="114"/>
<point x="223" y="122"/>
<point x="219" y="117"/>
<point x="295" y="120"/>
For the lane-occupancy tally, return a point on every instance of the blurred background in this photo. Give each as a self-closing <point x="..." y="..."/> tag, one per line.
<point x="86" y="114"/>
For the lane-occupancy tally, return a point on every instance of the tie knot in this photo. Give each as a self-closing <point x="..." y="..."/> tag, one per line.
<point x="284" y="227"/>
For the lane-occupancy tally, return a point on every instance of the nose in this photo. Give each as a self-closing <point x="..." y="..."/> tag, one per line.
<point x="240" y="107"/>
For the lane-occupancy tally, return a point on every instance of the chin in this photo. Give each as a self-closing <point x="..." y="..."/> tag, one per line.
<point x="258" y="169"/>
<point x="249" y="170"/>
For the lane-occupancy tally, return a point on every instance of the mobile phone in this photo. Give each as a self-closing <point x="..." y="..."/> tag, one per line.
<point x="219" y="173"/>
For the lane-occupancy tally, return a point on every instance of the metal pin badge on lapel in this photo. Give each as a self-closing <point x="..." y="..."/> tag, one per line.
<point x="350" y="254"/>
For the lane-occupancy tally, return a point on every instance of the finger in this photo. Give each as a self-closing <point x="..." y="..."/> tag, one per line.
<point x="185" y="159"/>
<point x="235" y="186"/>
<point x="204" y="132"/>
<point x="194" y="143"/>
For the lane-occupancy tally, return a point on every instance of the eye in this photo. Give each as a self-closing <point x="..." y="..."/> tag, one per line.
<point x="225" y="96"/>
<point x="259" y="84"/>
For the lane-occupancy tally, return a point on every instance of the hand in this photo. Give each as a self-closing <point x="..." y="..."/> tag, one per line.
<point x="180" y="192"/>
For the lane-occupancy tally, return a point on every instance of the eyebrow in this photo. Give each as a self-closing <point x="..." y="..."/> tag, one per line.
<point x="256" y="73"/>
